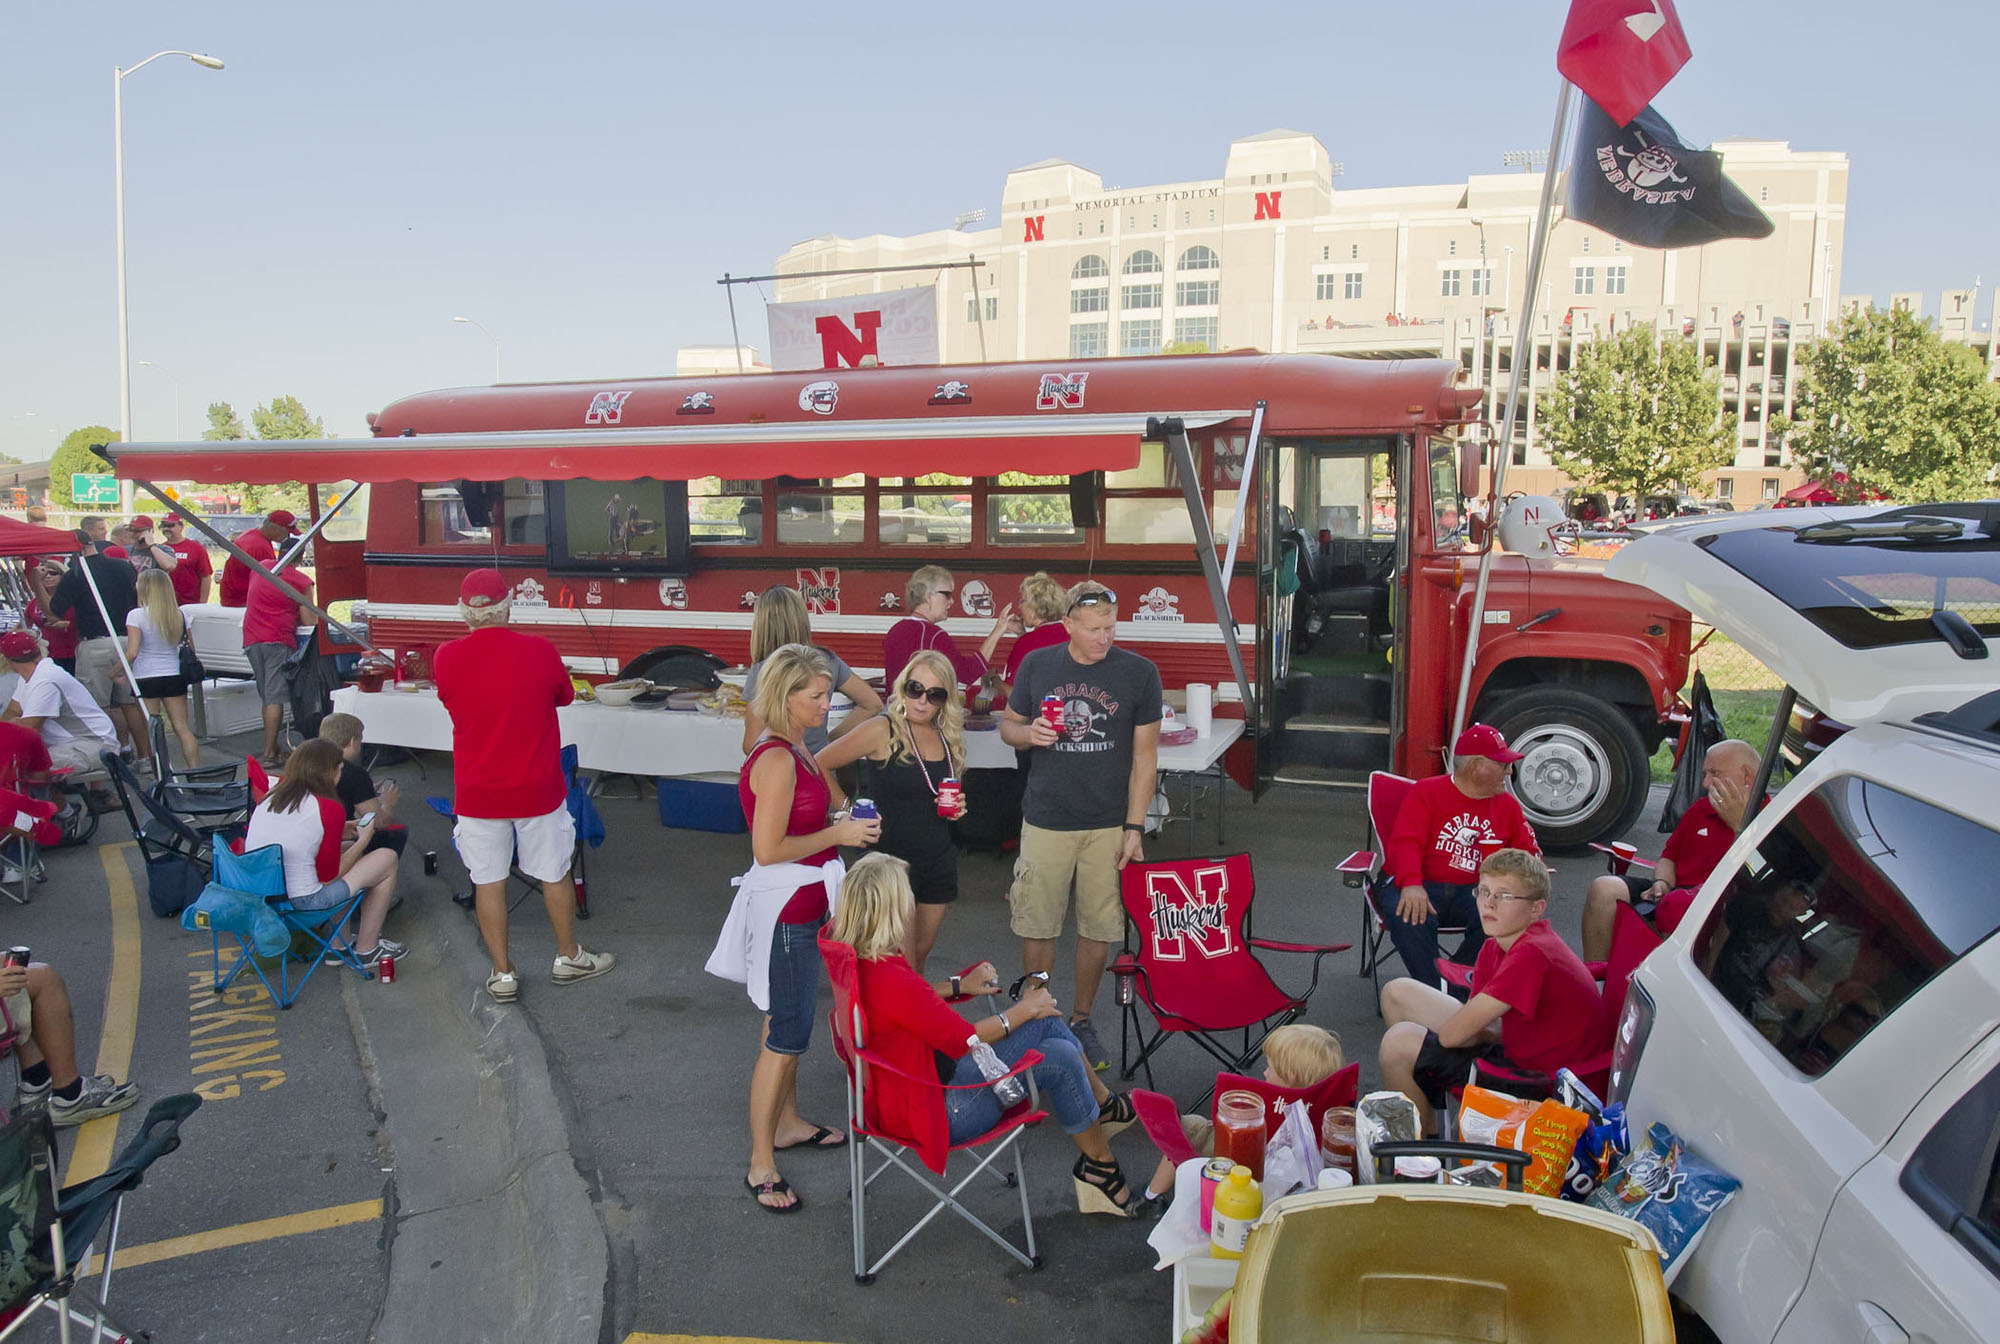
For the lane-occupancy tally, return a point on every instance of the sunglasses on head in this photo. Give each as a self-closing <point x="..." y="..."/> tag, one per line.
<point x="1104" y="597"/>
<point x="916" y="690"/>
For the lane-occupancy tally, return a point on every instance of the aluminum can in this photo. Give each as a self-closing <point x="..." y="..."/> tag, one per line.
<point x="18" y="956"/>
<point x="385" y="969"/>
<point x="1212" y="1176"/>
<point x="950" y="798"/>
<point x="1052" y="711"/>
<point x="864" y="810"/>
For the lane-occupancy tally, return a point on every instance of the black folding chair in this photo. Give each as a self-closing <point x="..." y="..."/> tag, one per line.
<point x="178" y="855"/>
<point x="206" y="791"/>
<point x="63" y="1229"/>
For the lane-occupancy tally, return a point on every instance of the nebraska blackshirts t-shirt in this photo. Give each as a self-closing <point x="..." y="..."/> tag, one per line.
<point x="1080" y="783"/>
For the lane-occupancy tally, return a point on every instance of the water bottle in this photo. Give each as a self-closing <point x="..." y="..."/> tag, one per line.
<point x="1005" y="1087"/>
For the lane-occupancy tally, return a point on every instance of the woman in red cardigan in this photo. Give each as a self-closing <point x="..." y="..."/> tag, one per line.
<point x="911" y="1026"/>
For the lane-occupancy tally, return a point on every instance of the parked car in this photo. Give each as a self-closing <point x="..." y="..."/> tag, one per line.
<point x="1824" y="1025"/>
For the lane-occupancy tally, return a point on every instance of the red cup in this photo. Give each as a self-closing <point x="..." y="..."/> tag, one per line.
<point x="1622" y="855"/>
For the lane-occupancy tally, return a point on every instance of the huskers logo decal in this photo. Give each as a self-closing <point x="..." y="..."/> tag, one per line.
<point x="1184" y="915"/>
<point x="1061" y="392"/>
<point x="821" y="590"/>
<point x="606" y="408"/>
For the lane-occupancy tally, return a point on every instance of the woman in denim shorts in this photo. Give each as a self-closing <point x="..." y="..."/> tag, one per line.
<point x="788" y="801"/>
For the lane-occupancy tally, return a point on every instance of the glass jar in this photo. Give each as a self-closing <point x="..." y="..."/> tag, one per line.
<point x="1240" y="1131"/>
<point x="1336" y="1140"/>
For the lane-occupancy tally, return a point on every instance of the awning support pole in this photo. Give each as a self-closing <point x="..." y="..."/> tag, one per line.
<point x="1523" y="355"/>
<point x="299" y="543"/>
<point x="257" y="571"/>
<point x="1243" y="494"/>
<point x="1174" y="431"/>
<point x="117" y="629"/>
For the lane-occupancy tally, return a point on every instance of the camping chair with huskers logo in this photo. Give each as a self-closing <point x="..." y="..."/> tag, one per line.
<point x="1196" y="969"/>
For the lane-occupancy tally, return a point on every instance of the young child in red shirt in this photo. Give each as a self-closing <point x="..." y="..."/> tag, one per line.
<point x="1533" y="1006"/>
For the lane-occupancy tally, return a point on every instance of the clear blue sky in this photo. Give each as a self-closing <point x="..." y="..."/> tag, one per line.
<point x="308" y="220"/>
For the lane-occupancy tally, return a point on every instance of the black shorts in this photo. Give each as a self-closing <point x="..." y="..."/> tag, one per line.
<point x="1441" y="1067"/>
<point x="1636" y="887"/>
<point x="162" y="688"/>
<point x="934" y="880"/>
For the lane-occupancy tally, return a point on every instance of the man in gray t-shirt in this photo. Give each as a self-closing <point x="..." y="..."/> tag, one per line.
<point x="1084" y="810"/>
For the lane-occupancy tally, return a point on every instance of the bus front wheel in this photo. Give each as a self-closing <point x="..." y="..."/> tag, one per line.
<point x="1583" y="775"/>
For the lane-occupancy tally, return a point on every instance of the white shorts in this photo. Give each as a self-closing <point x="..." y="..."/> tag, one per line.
<point x="541" y="846"/>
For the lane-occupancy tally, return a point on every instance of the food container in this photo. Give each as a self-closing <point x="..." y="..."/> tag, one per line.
<point x="371" y="673"/>
<point x="621" y="693"/>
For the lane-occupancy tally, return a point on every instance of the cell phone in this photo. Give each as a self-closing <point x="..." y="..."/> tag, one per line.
<point x="364" y="821"/>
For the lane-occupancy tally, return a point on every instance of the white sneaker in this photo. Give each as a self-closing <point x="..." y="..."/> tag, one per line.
<point x="584" y="965"/>
<point x="504" y="986"/>
<point x="101" y="1095"/>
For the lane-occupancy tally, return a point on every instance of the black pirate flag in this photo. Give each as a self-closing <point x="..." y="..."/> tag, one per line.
<point x="1640" y="183"/>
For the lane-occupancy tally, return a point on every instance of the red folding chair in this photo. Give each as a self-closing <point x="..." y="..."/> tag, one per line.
<point x="1162" y="1121"/>
<point x="1364" y="869"/>
<point x="850" y="1042"/>
<point x="1196" y="968"/>
<point x="258" y="778"/>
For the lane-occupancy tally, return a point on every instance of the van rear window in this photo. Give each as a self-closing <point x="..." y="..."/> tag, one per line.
<point x="1874" y="591"/>
<point x="1846" y="909"/>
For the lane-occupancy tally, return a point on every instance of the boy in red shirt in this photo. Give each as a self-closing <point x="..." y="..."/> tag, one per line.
<point x="1447" y="824"/>
<point x="502" y="689"/>
<point x="1533" y="1006"/>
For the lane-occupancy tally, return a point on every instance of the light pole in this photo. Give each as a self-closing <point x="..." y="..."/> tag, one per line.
<point x="489" y="336"/>
<point x="118" y="174"/>
<point x="1484" y="289"/>
<point x="149" y="364"/>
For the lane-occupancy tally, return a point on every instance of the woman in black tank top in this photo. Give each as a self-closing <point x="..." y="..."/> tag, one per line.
<point x="906" y="754"/>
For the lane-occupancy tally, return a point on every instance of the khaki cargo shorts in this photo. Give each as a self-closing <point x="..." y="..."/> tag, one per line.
<point x="1049" y="863"/>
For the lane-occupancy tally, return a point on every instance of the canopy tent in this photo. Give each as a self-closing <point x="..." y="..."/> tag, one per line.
<point x="1044" y="445"/>
<point x="19" y="539"/>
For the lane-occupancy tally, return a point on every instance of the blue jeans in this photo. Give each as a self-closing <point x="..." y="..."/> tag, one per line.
<point x="1452" y="904"/>
<point x="1062" y="1076"/>
<point x="795" y="967"/>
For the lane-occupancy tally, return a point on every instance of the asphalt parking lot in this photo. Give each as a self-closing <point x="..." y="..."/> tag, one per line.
<point x="412" y="1162"/>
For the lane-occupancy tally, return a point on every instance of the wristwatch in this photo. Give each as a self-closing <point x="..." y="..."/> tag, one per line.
<point x="1138" y="826"/>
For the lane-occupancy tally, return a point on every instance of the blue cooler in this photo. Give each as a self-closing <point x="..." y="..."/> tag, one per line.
<point x="701" y="805"/>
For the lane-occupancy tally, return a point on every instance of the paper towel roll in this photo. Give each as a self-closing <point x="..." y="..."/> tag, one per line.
<point x="1200" y="707"/>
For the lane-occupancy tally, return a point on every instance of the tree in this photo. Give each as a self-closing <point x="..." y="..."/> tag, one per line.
<point x="285" y="418"/>
<point x="1637" y="416"/>
<point x="1888" y="407"/>
<point x="75" y="457"/>
<point x="223" y="423"/>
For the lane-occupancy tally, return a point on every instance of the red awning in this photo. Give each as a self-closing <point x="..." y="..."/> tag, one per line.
<point x="19" y="538"/>
<point x="967" y="445"/>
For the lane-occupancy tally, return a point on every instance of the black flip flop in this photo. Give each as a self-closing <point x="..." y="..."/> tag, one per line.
<point x="778" y="1187"/>
<point x="817" y="1140"/>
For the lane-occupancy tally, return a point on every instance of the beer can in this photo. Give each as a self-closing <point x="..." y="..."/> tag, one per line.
<point x="1052" y="711"/>
<point x="385" y="969"/>
<point x="1212" y="1176"/>
<point x="18" y="956"/>
<point x="950" y="798"/>
<point x="864" y="810"/>
<point x="430" y="863"/>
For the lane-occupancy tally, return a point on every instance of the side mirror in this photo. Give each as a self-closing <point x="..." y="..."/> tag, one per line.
<point x="1470" y="462"/>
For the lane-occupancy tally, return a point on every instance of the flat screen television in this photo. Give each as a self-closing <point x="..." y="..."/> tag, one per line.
<point x="618" y="527"/>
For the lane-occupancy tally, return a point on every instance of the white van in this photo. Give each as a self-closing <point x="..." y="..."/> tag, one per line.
<point x="1825" y="1023"/>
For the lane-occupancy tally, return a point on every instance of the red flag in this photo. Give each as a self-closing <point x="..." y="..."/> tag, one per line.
<point x="1622" y="52"/>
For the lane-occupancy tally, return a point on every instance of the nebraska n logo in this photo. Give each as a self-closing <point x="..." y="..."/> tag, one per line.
<point x="1061" y="392"/>
<point x="1181" y="916"/>
<point x="606" y="408"/>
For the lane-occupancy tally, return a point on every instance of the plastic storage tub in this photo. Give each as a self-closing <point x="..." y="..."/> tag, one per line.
<point x="1413" y="1263"/>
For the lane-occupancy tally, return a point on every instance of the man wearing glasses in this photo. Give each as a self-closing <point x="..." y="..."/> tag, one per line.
<point x="1088" y="788"/>
<point x="191" y="576"/>
<point x="1533" y="1005"/>
<point x="1446" y="824"/>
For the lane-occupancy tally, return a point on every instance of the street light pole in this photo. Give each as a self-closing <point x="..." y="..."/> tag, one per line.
<point x="149" y="364"/>
<point x="118" y="175"/>
<point x="489" y="336"/>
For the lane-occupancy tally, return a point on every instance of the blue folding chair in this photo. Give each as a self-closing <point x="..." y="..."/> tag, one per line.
<point x="247" y="901"/>
<point x="589" y="835"/>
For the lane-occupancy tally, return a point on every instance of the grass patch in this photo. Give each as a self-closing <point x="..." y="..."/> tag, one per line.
<point x="1745" y="693"/>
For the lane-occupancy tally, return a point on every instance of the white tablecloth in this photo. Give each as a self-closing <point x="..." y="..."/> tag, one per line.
<point x="638" y="741"/>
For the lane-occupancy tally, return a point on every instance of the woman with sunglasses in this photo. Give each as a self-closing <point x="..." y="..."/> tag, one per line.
<point x="928" y="597"/>
<point x="906" y="754"/>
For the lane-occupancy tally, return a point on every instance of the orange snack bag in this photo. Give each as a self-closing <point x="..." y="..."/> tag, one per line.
<point x="1548" y="1130"/>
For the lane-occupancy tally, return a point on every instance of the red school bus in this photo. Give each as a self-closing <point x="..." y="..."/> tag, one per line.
<point x="646" y="514"/>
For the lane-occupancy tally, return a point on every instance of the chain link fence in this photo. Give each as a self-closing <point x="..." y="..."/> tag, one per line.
<point x="1745" y="692"/>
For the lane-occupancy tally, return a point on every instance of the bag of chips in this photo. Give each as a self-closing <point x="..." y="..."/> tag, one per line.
<point x="1381" y="1117"/>
<point x="1603" y="1144"/>
<point x="1668" y="1191"/>
<point x="1547" y="1130"/>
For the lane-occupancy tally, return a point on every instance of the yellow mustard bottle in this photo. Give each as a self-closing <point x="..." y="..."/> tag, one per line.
<point x="1237" y="1205"/>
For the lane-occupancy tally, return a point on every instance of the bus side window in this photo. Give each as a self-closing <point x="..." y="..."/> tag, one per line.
<point x="723" y="512"/>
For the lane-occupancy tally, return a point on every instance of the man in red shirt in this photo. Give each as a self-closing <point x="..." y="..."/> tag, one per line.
<point x="191" y="575"/>
<point x="1705" y="833"/>
<point x="1533" y="1005"/>
<point x="270" y="636"/>
<point x="260" y="545"/>
<point x="502" y="689"/>
<point x="1447" y="824"/>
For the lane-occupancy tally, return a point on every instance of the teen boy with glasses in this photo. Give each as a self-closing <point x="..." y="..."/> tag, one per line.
<point x="1084" y="810"/>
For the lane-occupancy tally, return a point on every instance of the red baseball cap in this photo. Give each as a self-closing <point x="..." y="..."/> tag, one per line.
<point x="18" y="646"/>
<point x="483" y="588"/>
<point x="1481" y="740"/>
<point x="117" y="553"/>
<point x="283" y="518"/>
<point x="142" y="524"/>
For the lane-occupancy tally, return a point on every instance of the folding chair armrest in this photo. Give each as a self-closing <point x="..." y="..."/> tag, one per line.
<point x="1271" y="945"/>
<point x="1356" y="867"/>
<point x="1455" y="973"/>
<point x="964" y="994"/>
<point x="1029" y="1058"/>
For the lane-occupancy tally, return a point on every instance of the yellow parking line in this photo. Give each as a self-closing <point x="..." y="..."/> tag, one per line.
<point x="244" y="1234"/>
<point x="91" y="1154"/>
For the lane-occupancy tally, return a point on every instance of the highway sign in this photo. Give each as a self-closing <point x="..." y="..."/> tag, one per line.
<point x="93" y="488"/>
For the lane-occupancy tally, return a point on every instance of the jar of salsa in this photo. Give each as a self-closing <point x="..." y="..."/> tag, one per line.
<point x="1240" y="1130"/>
<point x="1336" y="1140"/>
